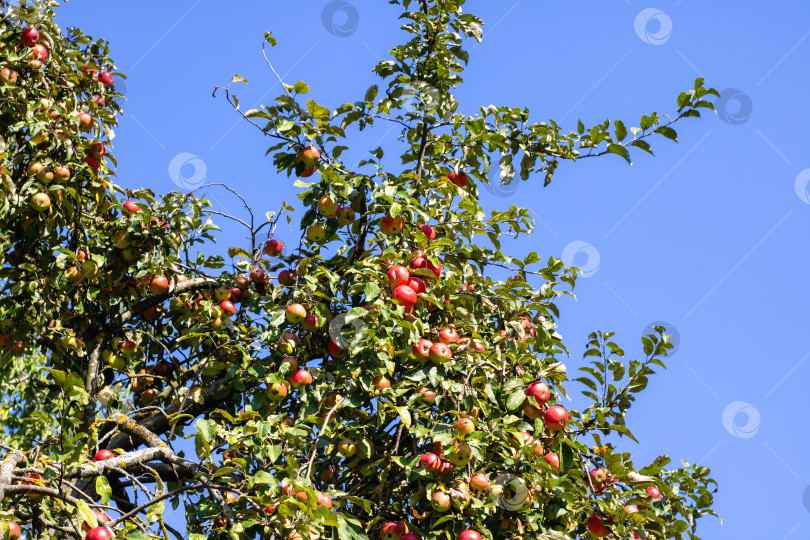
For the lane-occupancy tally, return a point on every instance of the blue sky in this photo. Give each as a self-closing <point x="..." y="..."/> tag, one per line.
<point x="710" y="235"/>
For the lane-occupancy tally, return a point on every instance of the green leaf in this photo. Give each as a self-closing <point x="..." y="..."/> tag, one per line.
<point x="238" y="78"/>
<point x="643" y="145"/>
<point x="264" y="477"/>
<point x="405" y="415"/>
<point x="103" y="489"/>
<point x="621" y="131"/>
<point x="667" y="132"/>
<point x="566" y="457"/>
<point x="515" y="399"/>
<point x="85" y="514"/>
<point x="619" y="150"/>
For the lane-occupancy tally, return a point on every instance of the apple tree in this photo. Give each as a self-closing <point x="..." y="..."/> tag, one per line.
<point x="395" y="374"/>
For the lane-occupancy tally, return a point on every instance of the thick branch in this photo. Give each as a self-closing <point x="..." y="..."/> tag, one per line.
<point x="6" y="469"/>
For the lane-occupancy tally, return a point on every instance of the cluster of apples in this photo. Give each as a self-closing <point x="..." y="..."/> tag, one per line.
<point x="398" y="530"/>
<point x="11" y="530"/>
<point x="596" y="523"/>
<point x="306" y="161"/>
<point x="329" y="209"/>
<point x="40" y="201"/>
<point x="16" y="348"/>
<point x="39" y="53"/>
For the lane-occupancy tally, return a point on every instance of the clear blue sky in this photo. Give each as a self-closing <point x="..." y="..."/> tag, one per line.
<point x="710" y="236"/>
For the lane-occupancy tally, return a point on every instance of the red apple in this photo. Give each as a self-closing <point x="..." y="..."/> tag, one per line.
<point x="480" y="483"/>
<point x="596" y="527"/>
<point x="98" y="150"/>
<point x="11" y="530"/>
<point x="448" y="335"/>
<point x="440" y="501"/>
<point x="8" y="75"/>
<point x="531" y="411"/>
<point x="398" y="275"/>
<point x="324" y="500"/>
<point x="417" y="285"/>
<point x="440" y="353"/>
<point x="381" y="382"/>
<point x="103" y="454"/>
<point x="435" y="268"/>
<point x="227" y="308"/>
<point x="276" y="391"/>
<point x="404" y="296"/>
<point x="426" y="394"/>
<point x="411" y="536"/>
<point x="459" y="178"/>
<point x="131" y="208"/>
<point x="553" y="459"/>
<point x="148" y="396"/>
<point x="105" y="78"/>
<point x="556" y="418"/>
<point x="301" y="378"/>
<point x="464" y="426"/>
<point x="470" y="534"/>
<point x="286" y="277"/>
<point x="99" y="533"/>
<point x="29" y="37"/>
<point x="539" y="391"/>
<point x="430" y="462"/>
<point x="308" y="155"/>
<point x="393" y="530"/>
<point x="91" y="162"/>
<point x="392" y="225"/>
<point x="61" y="173"/>
<point x="159" y="285"/>
<point x="654" y="493"/>
<point x="429" y="231"/>
<point x="421" y="349"/>
<point x="598" y="477"/>
<point x="630" y="508"/>
<point x="334" y="350"/>
<point x="296" y="313"/>
<point x="345" y="216"/>
<point x="327" y="207"/>
<point x="311" y="323"/>
<point x="274" y="247"/>
<point x="40" y="53"/>
<point x="257" y="275"/>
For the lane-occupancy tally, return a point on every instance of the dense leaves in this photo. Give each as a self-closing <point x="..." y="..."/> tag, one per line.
<point x="394" y="372"/>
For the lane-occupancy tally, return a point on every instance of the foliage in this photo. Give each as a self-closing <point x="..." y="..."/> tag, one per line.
<point x="101" y="353"/>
